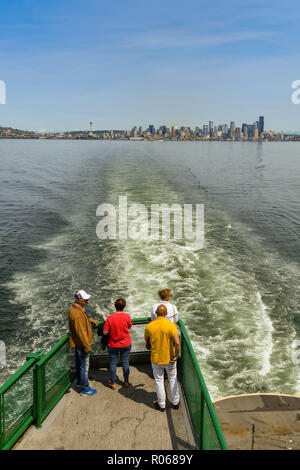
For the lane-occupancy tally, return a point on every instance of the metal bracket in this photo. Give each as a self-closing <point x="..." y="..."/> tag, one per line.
<point x="35" y="355"/>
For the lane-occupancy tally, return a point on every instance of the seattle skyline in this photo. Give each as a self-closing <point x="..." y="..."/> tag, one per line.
<point x="247" y="132"/>
<point x="67" y="63"/>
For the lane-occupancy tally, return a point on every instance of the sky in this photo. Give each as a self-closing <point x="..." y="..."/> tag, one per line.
<point x="133" y="63"/>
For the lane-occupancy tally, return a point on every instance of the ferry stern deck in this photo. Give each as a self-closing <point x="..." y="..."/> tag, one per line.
<point x="119" y="419"/>
<point x="39" y="409"/>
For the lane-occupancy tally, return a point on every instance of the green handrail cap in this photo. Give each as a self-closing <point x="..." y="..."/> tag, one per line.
<point x="35" y="355"/>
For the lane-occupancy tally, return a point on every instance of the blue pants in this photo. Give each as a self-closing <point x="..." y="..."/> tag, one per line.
<point x="82" y="362"/>
<point x="113" y="362"/>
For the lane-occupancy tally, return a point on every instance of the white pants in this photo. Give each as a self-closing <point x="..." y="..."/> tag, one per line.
<point x="158" y="372"/>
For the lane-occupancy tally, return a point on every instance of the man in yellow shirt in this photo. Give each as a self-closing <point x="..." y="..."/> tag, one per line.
<point x="165" y="347"/>
<point x="81" y="338"/>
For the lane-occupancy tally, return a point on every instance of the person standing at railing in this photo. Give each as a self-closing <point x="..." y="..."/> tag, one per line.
<point x="165" y="347"/>
<point x="117" y="325"/>
<point x="81" y="337"/>
<point x="166" y="296"/>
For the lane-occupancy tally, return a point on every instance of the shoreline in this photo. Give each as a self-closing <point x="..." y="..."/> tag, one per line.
<point x="92" y="139"/>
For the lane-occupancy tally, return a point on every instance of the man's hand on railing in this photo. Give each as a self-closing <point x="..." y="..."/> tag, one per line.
<point x="174" y="358"/>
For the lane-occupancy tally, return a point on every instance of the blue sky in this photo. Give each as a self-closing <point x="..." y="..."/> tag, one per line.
<point x="126" y="63"/>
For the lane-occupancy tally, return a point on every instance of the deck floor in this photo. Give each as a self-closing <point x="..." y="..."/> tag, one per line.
<point x="124" y="419"/>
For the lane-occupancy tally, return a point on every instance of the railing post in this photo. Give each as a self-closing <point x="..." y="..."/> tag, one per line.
<point x="1" y="421"/>
<point x="39" y="383"/>
<point x="38" y="388"/>
<point x="202" y="424"/>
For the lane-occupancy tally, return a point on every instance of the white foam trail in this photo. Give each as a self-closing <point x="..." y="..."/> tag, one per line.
<point x="266" y="337"/>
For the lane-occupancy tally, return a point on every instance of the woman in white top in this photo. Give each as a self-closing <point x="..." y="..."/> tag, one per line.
<point x="166" y="295"/>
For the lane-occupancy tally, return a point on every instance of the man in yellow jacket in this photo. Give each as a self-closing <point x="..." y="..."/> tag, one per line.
<point x="81" y="337"/>
<point x="163" y="337"/>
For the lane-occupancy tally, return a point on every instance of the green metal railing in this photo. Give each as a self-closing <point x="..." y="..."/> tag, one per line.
<point x="202" y="413"/>
<point x="16" y="403"/>
<point x="35" y="389"/>
<point x="52" y="379"/>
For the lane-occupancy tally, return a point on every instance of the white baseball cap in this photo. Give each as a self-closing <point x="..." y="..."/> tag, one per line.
<point x="81" y="294"/>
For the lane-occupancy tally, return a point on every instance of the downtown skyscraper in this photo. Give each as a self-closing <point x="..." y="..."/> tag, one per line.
<point x="261" y="125"/>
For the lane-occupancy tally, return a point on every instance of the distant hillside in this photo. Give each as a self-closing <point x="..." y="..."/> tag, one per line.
<point x="10" y="132"/>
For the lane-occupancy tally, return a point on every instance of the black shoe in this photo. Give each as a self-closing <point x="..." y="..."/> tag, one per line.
<point x="158" y="407"/>
<point x="175" y="406"/>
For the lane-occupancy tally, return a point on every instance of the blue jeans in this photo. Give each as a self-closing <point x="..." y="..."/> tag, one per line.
<point x="82" y="362"/>
<point x="113" y="362"/>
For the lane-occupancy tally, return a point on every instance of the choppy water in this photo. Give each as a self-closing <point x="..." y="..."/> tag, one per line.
<point x="238" y="296"/>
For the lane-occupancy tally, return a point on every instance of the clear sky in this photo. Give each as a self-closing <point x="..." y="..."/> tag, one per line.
<point x="134" y="62"/>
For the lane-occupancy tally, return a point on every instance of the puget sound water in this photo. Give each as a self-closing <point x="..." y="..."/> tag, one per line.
<point x="238" y="296"/>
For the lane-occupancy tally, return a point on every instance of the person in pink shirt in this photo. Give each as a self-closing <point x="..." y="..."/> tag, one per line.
<point x="117" y="327"/>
